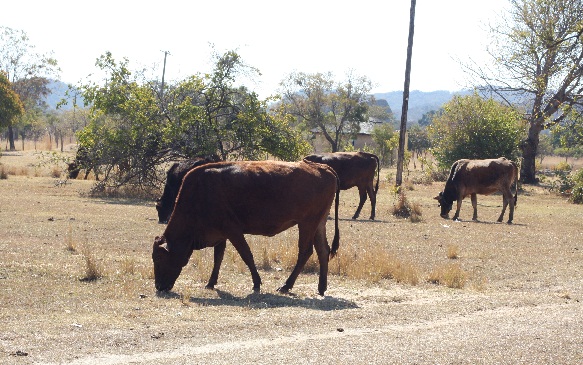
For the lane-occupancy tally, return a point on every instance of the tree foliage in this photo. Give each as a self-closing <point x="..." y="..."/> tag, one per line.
<point x="538" y="57"/>
<point x="10" y="104"/>
<point x="134" y="129"/>
<point x="475" y="128"/>
<point x="27" y="70"/>
<point x="336" y="109"/>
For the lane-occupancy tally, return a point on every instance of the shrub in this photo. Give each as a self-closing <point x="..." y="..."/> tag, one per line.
<point x="3" y="173"/>
<point x="403" y="208"/>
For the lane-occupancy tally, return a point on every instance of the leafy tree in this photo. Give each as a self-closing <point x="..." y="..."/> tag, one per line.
<point x="10" y="105"/>
<point x="426" y="118"/>
<point x="335" y="109"/>
<point x="28" y="71"/>
<point x="474" y="128"/>
<point x="538" y="59"/>
<point x="132" y="133"/>
<point x="386" y="140"/>
<point x="418" y="142"/>
<point x="545" y="147"/>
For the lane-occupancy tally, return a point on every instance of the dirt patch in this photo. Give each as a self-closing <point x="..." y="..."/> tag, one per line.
<point x="521" y="303"/>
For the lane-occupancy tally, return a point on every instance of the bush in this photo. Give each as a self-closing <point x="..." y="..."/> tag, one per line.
<point x="569" y="185"/>
<point x="577" y="191"/>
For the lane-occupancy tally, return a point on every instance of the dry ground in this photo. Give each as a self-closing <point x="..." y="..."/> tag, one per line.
<point x="521" y="302"/>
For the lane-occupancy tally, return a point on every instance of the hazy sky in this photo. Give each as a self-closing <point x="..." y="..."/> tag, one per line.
<point x="277" y="37"/>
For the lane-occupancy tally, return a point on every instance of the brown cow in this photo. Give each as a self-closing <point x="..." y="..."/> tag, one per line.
<point x="226" y="200"/>
<point x="354" y="169"/>
<point x="471" y="177"/>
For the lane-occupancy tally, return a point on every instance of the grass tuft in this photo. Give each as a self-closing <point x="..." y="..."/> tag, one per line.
<point x="452" y="252"/>
<point x="403" y="208"/>
<point x="451" y="275"/>
<point x="93" y="271"/>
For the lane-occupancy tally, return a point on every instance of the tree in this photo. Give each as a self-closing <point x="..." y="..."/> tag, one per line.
<point x="426" y="118"/>
<point x="418" y="142"/>
<point x="27" y="71"/>
<point x="336" y="109"/>
<point x="132" y="133"/>
<point x="538" y="58"/>
<point x="10" y="106"/>
<point x="475" y="128"/>
<point x="386" y="140"/>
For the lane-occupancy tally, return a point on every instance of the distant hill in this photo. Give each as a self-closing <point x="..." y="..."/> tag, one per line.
<point x="420" y="102"/>
<point x="58" y="91"/>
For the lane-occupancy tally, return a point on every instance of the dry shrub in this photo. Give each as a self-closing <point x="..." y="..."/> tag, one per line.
<point x="93" y="270"/>
<point x="451" y="275"/>
<point x="403" y="208"/>
<point x="3" y="173"/>
<point x="70" y="243"/>
<point x="56" y="172"/>
<point x="452" y="252"/>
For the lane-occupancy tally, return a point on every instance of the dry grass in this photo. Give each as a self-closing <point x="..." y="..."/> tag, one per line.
<point x="388" y="272"/>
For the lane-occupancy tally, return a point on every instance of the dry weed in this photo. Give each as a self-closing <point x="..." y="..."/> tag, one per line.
<point x="450" y="275"/>
<point x="93" y="270"/>
<point x="452" y="252"/>
<point x="403" y="208"/>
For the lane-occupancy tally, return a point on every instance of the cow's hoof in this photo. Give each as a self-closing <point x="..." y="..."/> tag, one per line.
<point x="209" y="287"/>
<point x="284" y="290"/>
<point x="509" y="222"/>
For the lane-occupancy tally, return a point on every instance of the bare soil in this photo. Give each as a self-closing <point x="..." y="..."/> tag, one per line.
<point x="521" y="303"/>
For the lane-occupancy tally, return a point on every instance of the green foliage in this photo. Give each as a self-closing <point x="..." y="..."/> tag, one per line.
<point x="569" y="184"/>
<point x="10" y="104"/>
<point x="134" y="128"/>
<point x="334" y="109"/>
<point x="475" y="128"/>
<point x="387" y="140"/>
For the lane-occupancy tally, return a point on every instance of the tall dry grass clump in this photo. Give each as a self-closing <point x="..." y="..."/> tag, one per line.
<point x="450" y="275"/>
<point x="3" y="173"/>
<point x="374" y="265"/>
<point x="403" y="208"/>
<point x="93" y="270"/>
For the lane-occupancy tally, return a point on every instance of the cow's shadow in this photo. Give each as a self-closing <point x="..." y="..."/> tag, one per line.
<point x="267" y="300"/>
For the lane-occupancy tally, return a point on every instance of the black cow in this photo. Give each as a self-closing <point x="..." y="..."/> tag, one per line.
<point x="354" y="169"/>
<point x="471" y="177"/>
<point x="174" y="177"/>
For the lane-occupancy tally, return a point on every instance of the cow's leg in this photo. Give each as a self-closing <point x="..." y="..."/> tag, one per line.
<point x="457" y="210"/>
<point x="373" y="200"/>
<point x="362" y="194"/>
<point x="245" y="252"/>
<point x="323" y="252"/>
<point x="475" y="206"/>
<point x="305" y="250"/>
<point x="508" y="199"/>
<point x="218" y="259"/>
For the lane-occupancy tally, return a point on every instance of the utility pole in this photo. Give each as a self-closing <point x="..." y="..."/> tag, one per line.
<point x="166" y="53"/>
<point x="405" y="108"/>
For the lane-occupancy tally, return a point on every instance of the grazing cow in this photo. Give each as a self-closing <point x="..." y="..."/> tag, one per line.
<point x="225" y="200"/>
<point x="174" y="176"/>
<point x="82" y="161"/>
<point x="471" y="177"/>
<point x="354" y="169"/>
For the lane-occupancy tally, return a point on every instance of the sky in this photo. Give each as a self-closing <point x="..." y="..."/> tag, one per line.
<point x="365" y="37"/>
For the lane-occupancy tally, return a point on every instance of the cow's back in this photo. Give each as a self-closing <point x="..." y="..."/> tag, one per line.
<point x="263" y="197"/>
<point x="483" y="176"/>
<point x="353" y="168"/>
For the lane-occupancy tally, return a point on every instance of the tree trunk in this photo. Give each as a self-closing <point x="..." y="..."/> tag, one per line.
<point x="11" y="138"/>
<point x="529" y="149"/>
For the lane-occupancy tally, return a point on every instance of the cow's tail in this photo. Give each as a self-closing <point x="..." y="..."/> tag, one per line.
<point x="515" y="184"/>
<point x="378" y="174"/>
<point x="336" y="240"/>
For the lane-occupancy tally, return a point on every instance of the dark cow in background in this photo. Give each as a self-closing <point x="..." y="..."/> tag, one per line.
<point x="174" y="177"/>
<point x="354" y="169"/>
<point x="225" y="200"/>
<point x="82" y="161"/>
<point x="471" y="177"/>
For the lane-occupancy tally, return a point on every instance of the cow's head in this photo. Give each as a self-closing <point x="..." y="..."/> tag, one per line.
<point x="167" y="266"/>
<point x="164" y="206"/>
<point x="445" y="205"/>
